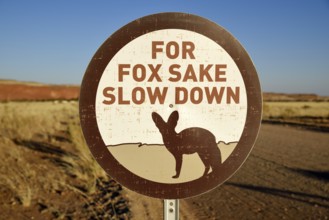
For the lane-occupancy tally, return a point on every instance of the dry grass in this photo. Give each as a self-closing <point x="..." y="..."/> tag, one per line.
<point x="303" y="113"/>
<point x="21" y="121"/>
<point x="87" y="169"/>
<point x="19" y="181"/>
<point x="42" y="150"/>
<point x="24" y="119"/>
<point x="9" y="81"/>
<point x="296" y="109"/>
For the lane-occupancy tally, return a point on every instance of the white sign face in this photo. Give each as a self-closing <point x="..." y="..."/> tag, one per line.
<point x="170" y="105"/>
<point x="165" y="71"/>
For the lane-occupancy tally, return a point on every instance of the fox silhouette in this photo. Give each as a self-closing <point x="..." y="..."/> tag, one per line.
<point x="188" y="141"/>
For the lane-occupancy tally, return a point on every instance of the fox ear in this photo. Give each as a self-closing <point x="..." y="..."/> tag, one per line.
<point x="159" y="122"/>
<point x="173" y="118"/>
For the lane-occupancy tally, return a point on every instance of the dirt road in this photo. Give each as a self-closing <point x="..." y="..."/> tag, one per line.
<point x="285" y="177"/>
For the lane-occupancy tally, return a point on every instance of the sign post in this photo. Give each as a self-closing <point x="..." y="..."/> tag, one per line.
<point x="170" y="106"/>
<point x="171" y="209"/>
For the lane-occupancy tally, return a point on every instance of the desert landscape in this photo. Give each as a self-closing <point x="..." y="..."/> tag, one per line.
<point x="48" y="172"/>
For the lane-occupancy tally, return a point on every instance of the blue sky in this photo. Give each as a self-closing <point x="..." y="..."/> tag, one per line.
<point x="53" y="41"/>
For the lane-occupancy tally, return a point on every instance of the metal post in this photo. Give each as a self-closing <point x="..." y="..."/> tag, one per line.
<point x="171" y="209"/>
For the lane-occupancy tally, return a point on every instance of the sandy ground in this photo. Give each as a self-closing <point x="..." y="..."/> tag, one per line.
<point x="285" y="177"/>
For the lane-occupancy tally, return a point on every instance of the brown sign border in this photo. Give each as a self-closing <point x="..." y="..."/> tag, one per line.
<point x="104" y="55"/>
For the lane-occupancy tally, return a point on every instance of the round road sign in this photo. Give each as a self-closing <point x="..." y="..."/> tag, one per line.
<point x="170" y="105"/>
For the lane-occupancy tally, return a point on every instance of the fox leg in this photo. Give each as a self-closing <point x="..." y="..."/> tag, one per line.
<point x="206" y="170"/>
<point x="179" y="160"/>
<point x="206" y="162"/>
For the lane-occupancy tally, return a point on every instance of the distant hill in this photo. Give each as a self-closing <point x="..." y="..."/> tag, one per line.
<point x="11" y="90"/>
<point x="270" y="96"/>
